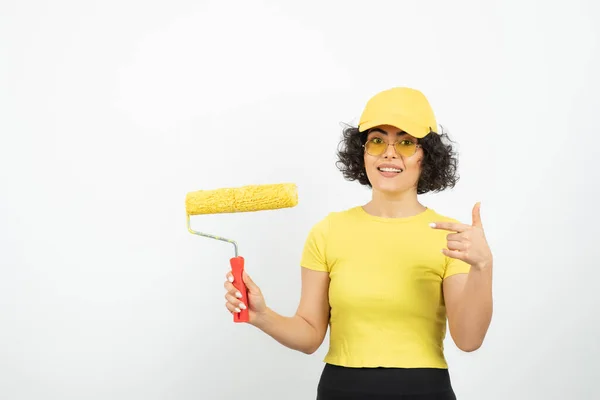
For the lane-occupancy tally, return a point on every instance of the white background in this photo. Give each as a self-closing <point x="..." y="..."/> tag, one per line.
<point x="111" y="111"/>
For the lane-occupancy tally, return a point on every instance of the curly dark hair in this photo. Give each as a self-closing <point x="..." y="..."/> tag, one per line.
<point x="438" y="168"/>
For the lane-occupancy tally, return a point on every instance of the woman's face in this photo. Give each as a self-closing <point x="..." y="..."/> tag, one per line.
<point x="389" y="171"/>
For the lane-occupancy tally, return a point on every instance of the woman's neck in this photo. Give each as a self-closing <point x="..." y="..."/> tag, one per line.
<point x="396" y="205"/>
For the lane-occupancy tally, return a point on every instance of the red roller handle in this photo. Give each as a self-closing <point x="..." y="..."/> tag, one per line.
<point x="237" y="269"/>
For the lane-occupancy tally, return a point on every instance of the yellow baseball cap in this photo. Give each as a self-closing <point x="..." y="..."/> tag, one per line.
<point x="405" y="108"/>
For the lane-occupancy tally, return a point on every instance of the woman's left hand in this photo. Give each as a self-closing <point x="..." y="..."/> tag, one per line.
<point x="468" y="242"/>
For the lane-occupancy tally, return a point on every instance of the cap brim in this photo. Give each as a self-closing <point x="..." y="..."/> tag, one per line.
<point x="399" y="122"/>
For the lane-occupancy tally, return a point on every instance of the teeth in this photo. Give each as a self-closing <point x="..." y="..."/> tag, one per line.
<point x="390" y="170"/>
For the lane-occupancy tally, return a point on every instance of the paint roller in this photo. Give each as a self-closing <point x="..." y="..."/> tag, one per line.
<point x="234" y="200"/>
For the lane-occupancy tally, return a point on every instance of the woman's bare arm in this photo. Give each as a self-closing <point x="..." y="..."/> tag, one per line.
<point x="305" y="330"/>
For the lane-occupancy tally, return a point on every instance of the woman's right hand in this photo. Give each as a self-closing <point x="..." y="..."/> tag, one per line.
<point x="256" y="306"/>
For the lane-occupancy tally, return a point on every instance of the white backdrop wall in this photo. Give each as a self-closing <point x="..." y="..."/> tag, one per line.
<point x="110" y="112"/>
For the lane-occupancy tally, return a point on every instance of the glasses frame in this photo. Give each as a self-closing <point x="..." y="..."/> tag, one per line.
<point x="417" y="145"/>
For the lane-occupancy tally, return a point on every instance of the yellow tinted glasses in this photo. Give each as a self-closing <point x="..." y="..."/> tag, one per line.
<point x="404" y="147"/>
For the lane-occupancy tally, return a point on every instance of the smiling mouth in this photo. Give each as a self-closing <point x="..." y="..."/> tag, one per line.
<point x="388" y="169"/>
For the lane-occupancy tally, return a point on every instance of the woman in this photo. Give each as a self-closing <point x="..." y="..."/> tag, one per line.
<point x="387" y="275"/>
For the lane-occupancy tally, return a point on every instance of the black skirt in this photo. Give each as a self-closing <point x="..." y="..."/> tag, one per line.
<point x="342" y="383"/>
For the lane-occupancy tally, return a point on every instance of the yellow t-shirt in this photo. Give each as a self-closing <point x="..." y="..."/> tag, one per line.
<point x="385" y="294"/>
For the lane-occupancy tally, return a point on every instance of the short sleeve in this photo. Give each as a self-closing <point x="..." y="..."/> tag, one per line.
<point x="313" y="254"/>
<point x="455" y="266"/>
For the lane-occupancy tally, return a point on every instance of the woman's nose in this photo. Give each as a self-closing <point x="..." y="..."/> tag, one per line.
<point x="390" y="152"/>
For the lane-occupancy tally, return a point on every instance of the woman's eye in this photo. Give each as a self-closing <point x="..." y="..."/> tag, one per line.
<point x="377" y="140"/>
<point x="407" y="143"/>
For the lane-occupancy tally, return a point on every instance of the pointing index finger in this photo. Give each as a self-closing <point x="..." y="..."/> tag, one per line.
<point x="450" y="226"/>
